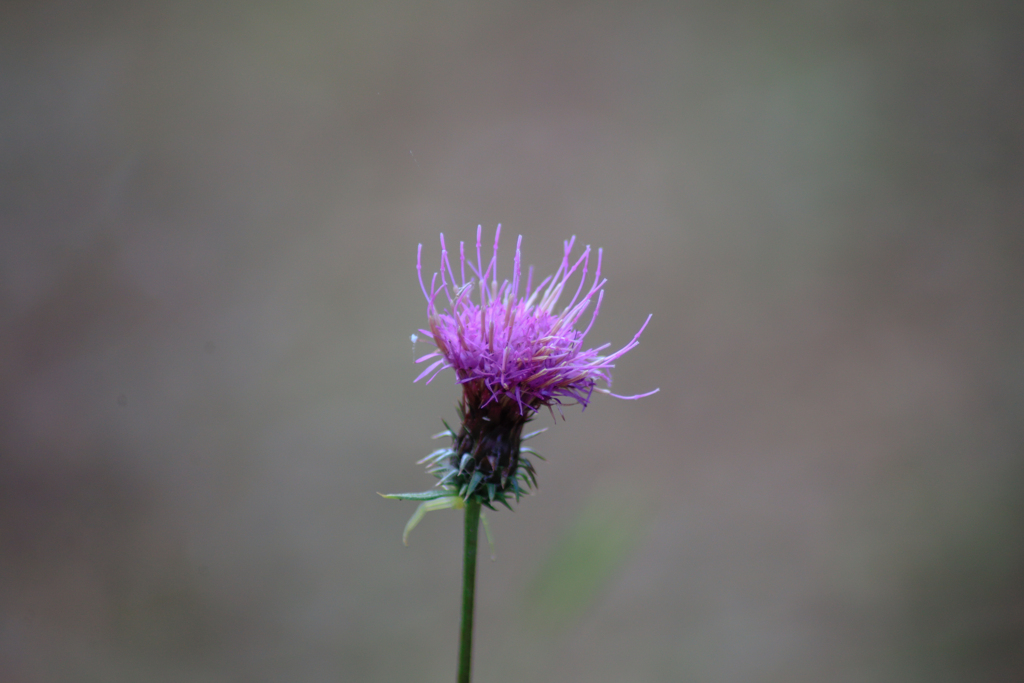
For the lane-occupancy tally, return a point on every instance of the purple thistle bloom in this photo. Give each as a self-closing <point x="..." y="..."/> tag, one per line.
<point x="512" y="355"/>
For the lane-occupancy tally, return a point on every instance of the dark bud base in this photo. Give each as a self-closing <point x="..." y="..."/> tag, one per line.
<point x="491" y="435"/>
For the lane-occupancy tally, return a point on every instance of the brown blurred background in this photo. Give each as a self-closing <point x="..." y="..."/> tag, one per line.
<point x="209" y="221"/>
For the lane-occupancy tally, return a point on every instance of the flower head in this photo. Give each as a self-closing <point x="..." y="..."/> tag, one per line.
<point x="513" y="354"/>
<point x="513" y="348"/>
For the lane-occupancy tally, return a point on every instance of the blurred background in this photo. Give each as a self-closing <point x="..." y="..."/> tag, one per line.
<point x="209" y="220"/>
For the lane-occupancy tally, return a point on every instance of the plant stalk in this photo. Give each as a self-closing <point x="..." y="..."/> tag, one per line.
<point x="468" y="589"/>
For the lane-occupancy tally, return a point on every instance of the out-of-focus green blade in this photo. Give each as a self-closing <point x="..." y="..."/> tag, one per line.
<point x="595" y="545"/>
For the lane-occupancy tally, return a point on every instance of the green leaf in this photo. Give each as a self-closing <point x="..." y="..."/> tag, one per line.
<point x="533" y="453"/>
<point x="473" y="481"/>
<point x="429" y="506"/>
<point x="533" y="434"/>
<point x="490" y="539"/>
<point x="425" y="495"/>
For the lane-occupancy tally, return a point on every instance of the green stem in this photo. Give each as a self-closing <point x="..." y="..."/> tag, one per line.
<point x="468" y="588"/>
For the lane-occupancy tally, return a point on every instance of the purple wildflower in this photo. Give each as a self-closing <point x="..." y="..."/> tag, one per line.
<point x="512" y="355"/>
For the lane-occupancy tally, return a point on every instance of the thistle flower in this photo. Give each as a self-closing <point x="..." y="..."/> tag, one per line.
<point x="513" y="355"/>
